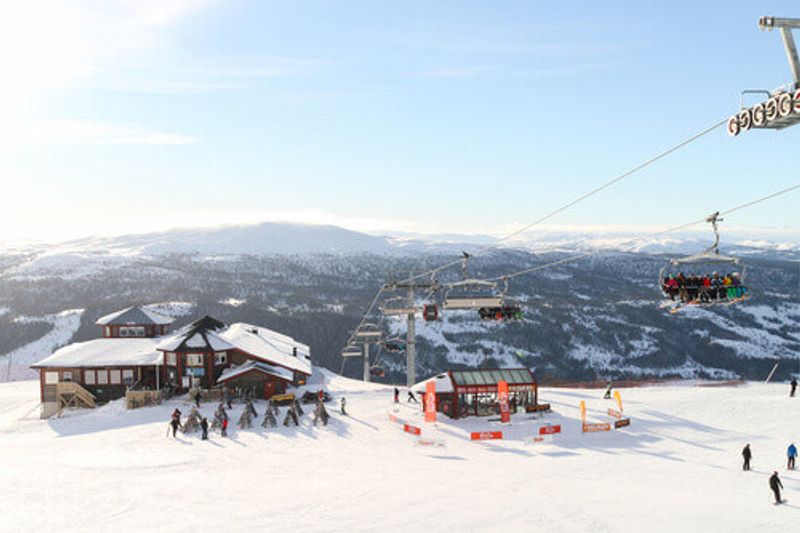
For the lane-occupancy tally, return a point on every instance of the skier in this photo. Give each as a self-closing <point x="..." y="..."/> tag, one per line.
<point x="411" y="397"/>
<point x="175" y="423"/>
<point x="320" y="395"/>
<point x="794" y="387"/>
<point x="225" y="427"/>
<point x="197" y="398"/>
<point x="204" y="427"/>
<point x="791" y="453"/>
<point x="776" y="486"/>
<point x="607" y="395"/>
<point x="747" y="454"/>
<point x="396" y="395"/>
<point x="343" y="404"/>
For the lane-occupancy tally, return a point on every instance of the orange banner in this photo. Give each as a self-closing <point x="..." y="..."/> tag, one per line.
<point x="618" y="399"/>
<point x="486" y="435"/>
<point x="583" y="411"/>
<point x="502" y="397"/>
<point x="594" y="428"/>
<point x="614" y="413"/>
<point x="430" y="402"/>
<point x="549" y="430"/>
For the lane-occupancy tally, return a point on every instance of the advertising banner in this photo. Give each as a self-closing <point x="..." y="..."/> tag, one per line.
<point x="486" y="435"/>
<point x="502" y="398"/>
<point x="618" y="399"/>
<point x="430" y="402"/>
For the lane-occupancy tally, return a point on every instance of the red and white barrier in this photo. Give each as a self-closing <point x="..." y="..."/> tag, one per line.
<point x="486" y="435"/>
<point x="414" y="430"/>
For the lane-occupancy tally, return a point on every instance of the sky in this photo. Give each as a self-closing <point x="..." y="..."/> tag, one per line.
<point x="132" y="116"/>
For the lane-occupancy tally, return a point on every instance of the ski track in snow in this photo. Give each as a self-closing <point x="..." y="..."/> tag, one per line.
<point x="676" y="468"/>
<point x="65" y="324"/>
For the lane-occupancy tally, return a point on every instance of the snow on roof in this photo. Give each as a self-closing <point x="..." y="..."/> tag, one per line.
<point x="201" y="334"/>
<point x="270" y="345"/>
<point x="443" y="384"/>
<point x="134" y="316"/>
<point x="257" y="366"/>
<point x="105" y="352"/>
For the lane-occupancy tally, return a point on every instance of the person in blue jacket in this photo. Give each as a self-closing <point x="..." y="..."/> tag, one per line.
<point x="791" y="452"/>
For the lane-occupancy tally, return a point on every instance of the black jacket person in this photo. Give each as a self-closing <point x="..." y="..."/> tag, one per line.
<point x="747" y="454"/>
<point x="776" y="486"/>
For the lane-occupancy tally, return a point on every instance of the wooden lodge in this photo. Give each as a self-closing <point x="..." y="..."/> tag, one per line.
<point x="461" y="393"/>
<point x="134" y="357"/>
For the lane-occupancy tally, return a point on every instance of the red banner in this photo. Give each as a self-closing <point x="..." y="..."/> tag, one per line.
<point x="594" y="428"/>
<point x="502" y="397"/>
<point x="486" y="435"/>
<point x="392" y="417"/>
<point x="549" y="430"/>
<point x="430" y="402"/>
<point x="614" y="413"/>
<point x="622" y="423"/>
<point x="414" y="430"/>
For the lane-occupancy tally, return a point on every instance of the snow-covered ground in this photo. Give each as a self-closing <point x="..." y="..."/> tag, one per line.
<point x="676" y="468"/>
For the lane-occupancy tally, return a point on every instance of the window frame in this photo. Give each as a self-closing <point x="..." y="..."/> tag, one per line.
<point x="115" y="377"/>
<point x="87" y="380"/>
<point x="49" y="375"/>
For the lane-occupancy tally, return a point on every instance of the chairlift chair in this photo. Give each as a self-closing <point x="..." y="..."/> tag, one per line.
<point x="472" y="294"/>
<point x="711" y="259"/>
<point x="397" y="306"/>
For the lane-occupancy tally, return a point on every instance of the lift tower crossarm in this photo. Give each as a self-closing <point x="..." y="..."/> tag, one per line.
<point x="785" y="25"/>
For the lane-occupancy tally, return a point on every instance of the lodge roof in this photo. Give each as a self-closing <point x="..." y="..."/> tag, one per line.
<point x="104" y="353"/>
<point x="269" y="345"/>
<point x="134" y="315"/>
<point x="201" y="335"/>
<point x="453" y="379"/>
<point x="256" y="366"/>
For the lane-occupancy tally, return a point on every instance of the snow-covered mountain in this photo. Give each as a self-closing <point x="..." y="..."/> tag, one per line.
<point x="595" y="317"/>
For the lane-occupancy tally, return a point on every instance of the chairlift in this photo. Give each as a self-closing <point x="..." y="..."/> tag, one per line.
<point x="368" y="333"/>
<point x="472" y="294"/>
<point x="397" y="306"/>
<point x="781" y="109"/>
<point x="352" y="351"/>
<point x="394" y="345"/>
<point x="702" y="284"/>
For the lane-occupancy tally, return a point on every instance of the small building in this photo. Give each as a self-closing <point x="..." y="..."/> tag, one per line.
<point x="132" y="355"/>
<point x="461" y="393"/>
<point x="134" y="321"/>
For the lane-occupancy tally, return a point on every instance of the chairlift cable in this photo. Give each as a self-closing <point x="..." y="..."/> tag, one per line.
<point x="576" y="201"/>
<point x="670" y="230"/>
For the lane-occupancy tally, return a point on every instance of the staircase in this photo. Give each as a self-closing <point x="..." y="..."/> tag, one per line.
<point x="69" y="394"/>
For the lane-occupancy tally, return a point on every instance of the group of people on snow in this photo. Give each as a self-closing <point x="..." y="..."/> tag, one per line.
<point x="410" y="398"/>
<point x="220" y="421"/>
<point x="775" y="484"/>
<point x="705" y="288"/>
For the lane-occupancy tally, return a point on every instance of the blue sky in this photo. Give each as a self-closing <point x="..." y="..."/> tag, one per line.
<point x="410" y="116"/>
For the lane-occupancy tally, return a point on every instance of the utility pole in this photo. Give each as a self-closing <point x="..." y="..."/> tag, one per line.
<point x="411" y="341"/>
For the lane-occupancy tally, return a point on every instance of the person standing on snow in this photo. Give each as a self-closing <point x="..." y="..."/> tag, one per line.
<point x="197" y="398"/>
<point x="225" y="427"/>
<point x="747" y="454"/>
<point x="776" y="486"/>
<point x="793" y="384"/>
<point x="791" y="453"/>
<point x="204" y="427"/>
<point x="175" y="423"/>
<point x="607" y="395"/>
<point x="396" y="395"/>
<point x="343" y="404"/>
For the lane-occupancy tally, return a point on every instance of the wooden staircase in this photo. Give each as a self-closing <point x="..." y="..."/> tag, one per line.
<point x="69" y="394"/>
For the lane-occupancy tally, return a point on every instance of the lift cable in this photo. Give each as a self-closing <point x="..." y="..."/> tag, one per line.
<point x="670" y="230"/>
<point x="563" y="208"/>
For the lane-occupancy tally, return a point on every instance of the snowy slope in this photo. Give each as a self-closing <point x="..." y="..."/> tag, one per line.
<point x="15" y="364"/>
<point x="677" y="468"/>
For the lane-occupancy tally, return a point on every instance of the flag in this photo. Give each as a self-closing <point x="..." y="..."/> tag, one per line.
<point x="430" y="402"/>
<point x="502" y="397"/>
<point x="618" y="399"/>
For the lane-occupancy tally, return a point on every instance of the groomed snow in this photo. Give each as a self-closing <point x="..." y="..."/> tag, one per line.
<point x="676" y="468"/>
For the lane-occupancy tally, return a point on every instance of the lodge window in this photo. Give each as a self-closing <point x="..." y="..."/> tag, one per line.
<point x="50" y="378"/>
<point x="172" y="359"/>
<point x="128" y="331"/>
<point x="194" y="359"/>
<point x="66" y="375"/>
<point x="108" y="331"/>
<point x="115" y="377"/>
<point x="127" y="377"/>
<point x="89" y="377"/>
<point x="220" y="358"/>
<point x="102" y="377"/>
